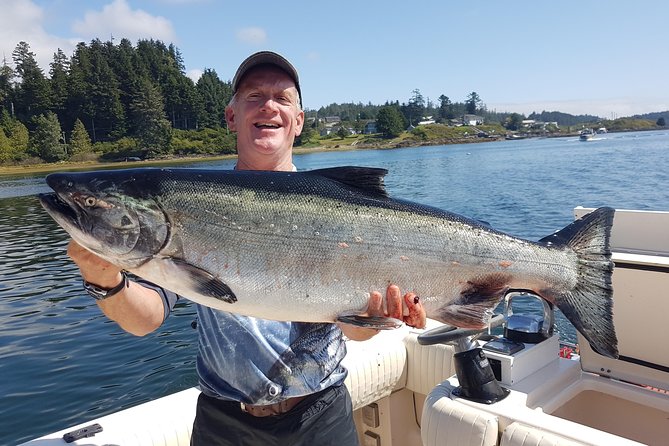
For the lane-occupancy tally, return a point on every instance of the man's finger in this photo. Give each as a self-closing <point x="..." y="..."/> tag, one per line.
<point x="375" y="306"/>
<point x="394" y="302"/>
<point x="416" y="317"/>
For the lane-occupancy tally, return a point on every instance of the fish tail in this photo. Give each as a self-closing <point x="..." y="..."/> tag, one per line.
<point x="589" y="305"/>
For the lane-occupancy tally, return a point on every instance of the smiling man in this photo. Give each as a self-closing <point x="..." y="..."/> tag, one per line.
<point x="263" y="382"/>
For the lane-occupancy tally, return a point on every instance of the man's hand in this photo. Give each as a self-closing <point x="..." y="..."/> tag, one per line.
<point x="394" y="308"/>
<point x="94" y="269"/>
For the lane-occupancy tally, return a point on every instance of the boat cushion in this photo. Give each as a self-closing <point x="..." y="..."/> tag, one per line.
<point x="446" y="422"/>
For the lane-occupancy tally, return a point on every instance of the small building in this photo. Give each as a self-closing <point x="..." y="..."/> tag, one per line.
<point x="370" y="128"/>
<point x="472" y="120"/>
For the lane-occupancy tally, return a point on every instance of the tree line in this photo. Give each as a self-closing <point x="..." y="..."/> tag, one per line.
<point x="115" y="99"/>
<point x="118" y="101"/>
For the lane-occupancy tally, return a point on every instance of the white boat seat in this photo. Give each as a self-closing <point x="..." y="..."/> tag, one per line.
<point x="427" y="366"/>
<point x="446" y="422"/>
<point x="375" y="367"/>
<point x="519" y="434"/>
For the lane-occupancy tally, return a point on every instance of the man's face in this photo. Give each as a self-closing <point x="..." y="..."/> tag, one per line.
<point x="265" y="113"/>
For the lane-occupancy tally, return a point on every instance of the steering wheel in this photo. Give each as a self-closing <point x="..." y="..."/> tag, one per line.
<point x="449" y="333"/>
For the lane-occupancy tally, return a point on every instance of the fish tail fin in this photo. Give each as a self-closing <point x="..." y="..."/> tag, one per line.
<point x="589" y="305"/>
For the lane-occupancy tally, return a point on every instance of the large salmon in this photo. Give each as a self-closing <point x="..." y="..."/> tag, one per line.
<point x="310" y="246"/>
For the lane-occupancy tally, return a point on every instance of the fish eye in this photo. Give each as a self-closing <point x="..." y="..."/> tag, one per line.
<point x="90" y="201"/>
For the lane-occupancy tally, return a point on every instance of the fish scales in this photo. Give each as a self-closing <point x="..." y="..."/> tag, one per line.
<point x="311" y="246"/>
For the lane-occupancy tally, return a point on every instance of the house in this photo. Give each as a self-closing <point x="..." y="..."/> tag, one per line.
<point x="472" y="120"/>
<point x="370" y="128"/>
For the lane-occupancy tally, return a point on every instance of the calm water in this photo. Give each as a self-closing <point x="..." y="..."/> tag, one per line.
<point x="62" y="362"/>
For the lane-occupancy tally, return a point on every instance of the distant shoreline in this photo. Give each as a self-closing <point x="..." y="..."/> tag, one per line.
<point x="84" y="165"/>
<point x="389" y="144"/>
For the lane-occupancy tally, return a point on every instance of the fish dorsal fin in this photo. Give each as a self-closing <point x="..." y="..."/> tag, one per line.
<point x="367" y="179"/>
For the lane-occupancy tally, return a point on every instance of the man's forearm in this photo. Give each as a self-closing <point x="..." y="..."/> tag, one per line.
<point x="136" y="309"/>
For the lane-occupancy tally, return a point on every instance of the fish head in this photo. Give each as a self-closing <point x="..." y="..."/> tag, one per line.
<point x="109" y="213"/>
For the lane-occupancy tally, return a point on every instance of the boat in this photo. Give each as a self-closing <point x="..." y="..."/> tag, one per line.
<point x="408" y="386"/>
<point x="586" y="134"/>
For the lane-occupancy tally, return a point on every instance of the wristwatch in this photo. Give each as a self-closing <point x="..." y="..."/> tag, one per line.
<point x="98" y="293"/>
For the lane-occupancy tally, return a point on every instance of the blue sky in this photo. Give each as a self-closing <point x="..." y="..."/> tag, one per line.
<point x="607" y="58"/>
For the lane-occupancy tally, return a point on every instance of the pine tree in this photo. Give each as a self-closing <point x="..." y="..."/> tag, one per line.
<point x="80" y="141"/>
<point x="20" y="140"/>
<point x="45" y="141"/>
<point x="6" y="153"/>
<point x="32" y="92"/>
<point x="59" y="72"/>
<point x="153" y="130"/>
<point x="215" y="97"/>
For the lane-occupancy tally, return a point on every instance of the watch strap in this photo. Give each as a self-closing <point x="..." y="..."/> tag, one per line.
<point x="98" y="293"/>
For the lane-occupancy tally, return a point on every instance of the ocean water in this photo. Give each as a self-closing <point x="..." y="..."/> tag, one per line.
<point x="62" y="362"/>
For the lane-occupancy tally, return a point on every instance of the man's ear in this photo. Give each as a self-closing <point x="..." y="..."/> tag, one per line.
<point x="299" y="123"/>
<point x="230" y="118"/>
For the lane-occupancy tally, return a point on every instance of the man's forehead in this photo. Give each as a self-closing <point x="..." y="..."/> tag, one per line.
<point x="267" y="75"/>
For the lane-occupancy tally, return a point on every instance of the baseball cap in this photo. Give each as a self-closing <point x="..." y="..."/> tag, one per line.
<point x="266" y="58"/>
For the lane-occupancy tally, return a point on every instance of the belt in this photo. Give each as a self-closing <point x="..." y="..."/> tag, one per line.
<point x="271" y="409"/>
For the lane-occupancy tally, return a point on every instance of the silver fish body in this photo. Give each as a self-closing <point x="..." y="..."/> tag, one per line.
<point x="310" y="246"/>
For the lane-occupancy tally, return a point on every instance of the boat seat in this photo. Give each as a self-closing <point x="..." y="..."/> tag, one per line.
<point x="519" y="434"/>
<point x="447" y="422"/>
<point x="376" y="367"/>
<point x="428" y="365"/>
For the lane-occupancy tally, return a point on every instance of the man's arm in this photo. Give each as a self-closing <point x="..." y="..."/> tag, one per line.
<point x="415" y="312"/>
<point x="136" y="309"/>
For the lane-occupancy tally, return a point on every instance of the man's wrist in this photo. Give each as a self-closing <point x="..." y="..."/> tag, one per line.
<point x="100" y="293"/>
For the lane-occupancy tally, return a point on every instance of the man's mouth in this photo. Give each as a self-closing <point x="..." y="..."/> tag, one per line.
<point x="266" y="125"/>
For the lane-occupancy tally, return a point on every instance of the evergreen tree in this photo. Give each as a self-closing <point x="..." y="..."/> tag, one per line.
<point x="32" y="92"/>
<point x="77" y="97"/>
<point x="6" y="90"/>
<point x="389" y="121"/>
<point x="45" y="140"/>
<point x="472" y="103"/>
<point x="19" y="138"/>
<point x="6" y="152"/>
<point x="59" y="91"/>
<point x="414" y="110"/>
<point x="80" y="141"/>
<point x="445" y="111"/>
<point x="104" y="106"/>
<point x="153" y="130"/>
<point x="215" y="96"/>
<point x="661" y="122"/>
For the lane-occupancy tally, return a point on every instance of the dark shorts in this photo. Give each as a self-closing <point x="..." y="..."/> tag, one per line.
<point x="321" y="419"/>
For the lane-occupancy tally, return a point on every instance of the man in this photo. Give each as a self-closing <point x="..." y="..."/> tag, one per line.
<point x="263" y="382"/>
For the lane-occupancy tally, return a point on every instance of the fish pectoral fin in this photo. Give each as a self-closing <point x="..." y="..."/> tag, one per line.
<point x="204" y="282"/>
<point x="475" y="305"/>
<point x="377" y="322"/>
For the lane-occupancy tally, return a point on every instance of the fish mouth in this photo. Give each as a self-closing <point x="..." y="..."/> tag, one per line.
<point x="58" y="207"/>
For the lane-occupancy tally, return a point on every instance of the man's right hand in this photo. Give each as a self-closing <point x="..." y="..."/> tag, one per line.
<point x="137" y="309"/>
<point x="94" y="269"/>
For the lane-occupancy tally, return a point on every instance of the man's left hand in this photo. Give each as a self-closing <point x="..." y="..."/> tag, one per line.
<point x="394" y="308"/>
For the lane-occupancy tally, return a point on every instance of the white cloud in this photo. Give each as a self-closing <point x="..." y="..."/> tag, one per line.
<point x="117" y="18"/>
<point x="21" y="20"/>
<point x="194" y="74"/>
<point x="252" y="35"/>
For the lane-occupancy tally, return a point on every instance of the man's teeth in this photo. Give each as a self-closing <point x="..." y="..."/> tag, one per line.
<point x="267" y="125"/>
